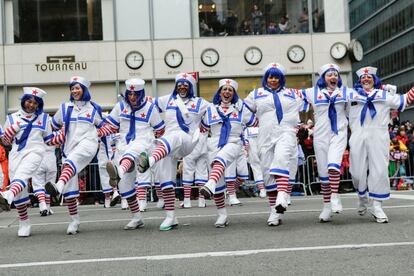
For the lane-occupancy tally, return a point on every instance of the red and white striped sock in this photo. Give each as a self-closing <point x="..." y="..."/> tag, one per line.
<point x="72" y="206"/>
<point x="159" y="153"/>
<point x="282" y="183"/>
<point x="219" y="200"/>
<point x="272" y="198"/>
<point x="22" y="211"/>
<point x="16" y="188"/>
<point x="67" y="173"/>
<point x="260" y="186"/>
<point x="289" y="189"/>
<point x="169" y="199"/>
<point x="200" y="195"/>
<point x="47" y="199"/>
<point x="410" y="96"/>
<point x="334" y="177"/>
<point x="133" y="204"/>
<point x="217" y="171"/>
<point x="326" y="192"/>
<point x="239" y="182"/>
<point x="158" y="192"/>
<point x="231" y="187"/>
<point x="141" y="192"/>
<point x="41" y="196"/>
<point x="187" y="191"/>
<point x="126" y="164"/>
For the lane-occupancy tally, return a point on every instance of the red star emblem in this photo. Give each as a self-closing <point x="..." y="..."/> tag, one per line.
<point x="125" y="111"/>
<point x="331" y="66"/>
<point x="88" y="115"/>
<point x="214" y="116"/>
<point x="18" y="123"/>
<point x="184" y="75"/>
<point x="260" y="93"/>
<point x="35" y="92"/>
<point x="320" y="97"/>
<point x="193" y="106"/>
<point x="289" y="93"/>
<point x="366" y="71"/>
<point x="131" y="88"/>
<point x="75" y="79"/>
<point x="142" y="115"/>
<point x="39" y="123"/>
<point x="228" y="82"/>
<point x="234" y="115"/>
<point x="339" y="96"/>
<point x="171" y="103"/>
<point x="28" y="116"/>
<point x="274" y="65"/>
<point x="356" y="97"/>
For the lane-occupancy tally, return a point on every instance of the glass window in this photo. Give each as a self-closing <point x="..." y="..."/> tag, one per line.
<point x="318" y="16"/>
<point x="248" y="17"/>
<point x="57" y="20"/>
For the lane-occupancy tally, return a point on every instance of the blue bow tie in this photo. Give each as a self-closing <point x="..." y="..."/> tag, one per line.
<point x="278" y="104"/>
<point x="23" y="139"/>
<point x="225" y="128"/>
<point x="332" y="112"/>
<point x="368" y="105"/>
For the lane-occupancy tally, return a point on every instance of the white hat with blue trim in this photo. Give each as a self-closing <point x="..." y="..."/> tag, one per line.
<point x="80" y="80"/>
<point x="186" y="76"/>
<point x="366" y="71"/>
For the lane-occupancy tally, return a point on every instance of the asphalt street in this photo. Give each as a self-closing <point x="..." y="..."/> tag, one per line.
<point x="349" y="245"/>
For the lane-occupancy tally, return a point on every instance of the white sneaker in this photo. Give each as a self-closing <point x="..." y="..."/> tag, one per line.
<point x="274" y="218"/>
<point x="326" y="214"/>
<point x="160" y="203"/>
<point x="73" y="227"/>
<point x="49" y="211"/>
<point x="43" y="209"/>
<point x="201" y="203"/>
<point x="169" y="222"/>
<point x="115" y="198"/>
<point x="142" y="205"/>
<point x="135" y="223"/>
<point x="362" y="205"/>
<point x="107" y="203"/>
<point x="281" y="202"/>
<point x="186" y="203"/>
<point x="124" y="204"/>
<point x="24" y="228"/>
<point x="222" y="220"/>
<point x="336" y="203"/>
<point x="377" y="212"/>
<point x="233" y="200"/>
<point x="6" y="199"/>
<point x="262" y="193"/>
<point x="208" y="189"/>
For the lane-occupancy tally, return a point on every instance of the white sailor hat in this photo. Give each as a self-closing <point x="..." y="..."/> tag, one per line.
<point x="134" y="84"/>
<point x="327" y="67"/>
<point x="185" y="76"/>
<point x="80" y="80"/>
<point x="34" y="91"/>
<point x="276" y="65"/>
<point x="230" y="82"/>
<point x="366" y="71"/>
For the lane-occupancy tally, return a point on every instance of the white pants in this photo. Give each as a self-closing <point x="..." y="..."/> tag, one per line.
<point x="46" y="172"/>
<point x="254" y="160"/>
<point x="103" y="174"/>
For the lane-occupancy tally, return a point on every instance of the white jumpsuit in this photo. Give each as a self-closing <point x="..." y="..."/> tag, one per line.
<point x="253" y="158"/>
<point x="195" y="164"/>
<point x="46" y="172"/>
<point x="105" y="154"/>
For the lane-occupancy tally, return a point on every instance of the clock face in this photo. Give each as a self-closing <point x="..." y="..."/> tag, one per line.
<point x="338" y="50"/>
<point x="296" y="54"/>
<point x="253" y="55"/>
<point x="134" y="60"/>
<point x="358" y="50"/>
<point x="173" y="58"/>
<point x="210" y="57"/>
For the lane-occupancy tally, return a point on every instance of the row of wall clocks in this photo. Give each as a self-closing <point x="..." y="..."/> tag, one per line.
<point x="252" y="55"/>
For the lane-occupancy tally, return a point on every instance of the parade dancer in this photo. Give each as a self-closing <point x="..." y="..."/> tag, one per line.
<point x="328" y="99"/>
<point x="277" y="109"/>
<point x="105" y="154"/>
<point x="369" y="114"/>
<point x="26" y="130"/>
<point x="235" y="175"/>
<point x="226" y="118"/>
<point x="183" y="113"/>
<point x="136" y="119"/>
<point x="79" y="117"/>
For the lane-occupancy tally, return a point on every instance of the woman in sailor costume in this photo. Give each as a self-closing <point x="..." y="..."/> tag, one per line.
<point x="226" y="118"/>
<point x="328" y="99"/>
<point x="136" y="120"/>
<point x="277" y="109"/>
<point x="183" y="113"/>
<point x="369" y="115"/>
<point x="26" y="130"/>
<point x="79" y="117"/>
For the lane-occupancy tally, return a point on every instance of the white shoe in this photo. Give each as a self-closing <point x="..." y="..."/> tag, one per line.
<point x="377" y="212"/>
<point x="142" y="205"/>
<point x="59" y="186"/>
<point x="107" y="203"/>
<point x="208" y="189"/>
<point x="160" y="203"/>
<point x="186" y="203"/>
<point x="362" y="205"/>
<point x="289" y="201"/>
<point x="43" y="209"/>
<point x="115" y="198"/>
<point x="49" y="211"/>
<point x="124" y="204"/>
<point x="135" y="223"/>
<point x="202" y="203"/>
<point x="336" y="203"/>
<point x="233" y="200"/>
<point x="326" y="214"/>
<point x="169" y="222"/>
<point x="6" y="199"/>
<point x="24" y="228"/>
<point x="274" y="218"/>
<point x="73" y="227"/>
<point x="262" y="193"/>
<point x="222" y="220"/>
<point x="281" y="202"/>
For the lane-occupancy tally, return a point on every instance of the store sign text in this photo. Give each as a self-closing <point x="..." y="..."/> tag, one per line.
<point x="61" y="63"/>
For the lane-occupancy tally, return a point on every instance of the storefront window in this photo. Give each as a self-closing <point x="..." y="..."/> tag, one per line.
<point x="248" y="17"/>
<point x="57" y="20"/>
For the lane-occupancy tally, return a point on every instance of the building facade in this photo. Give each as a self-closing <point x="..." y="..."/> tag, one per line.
<point x="45" y="42"/>
<point x="386" y="31"/>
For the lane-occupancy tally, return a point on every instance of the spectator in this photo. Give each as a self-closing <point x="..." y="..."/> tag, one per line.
<point x="245" y="28"/>
<point x="205" y="30"/>
<point x="402" y="136"/>
<point x="284" y="26"/>
<point x="410" y="146"/>
<point x="257" y="20"/>
<point x="4" y="170"/>
<point x="304" y="21"/>
<point x="272" y="28"/>
<point x="231" y="23"/>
